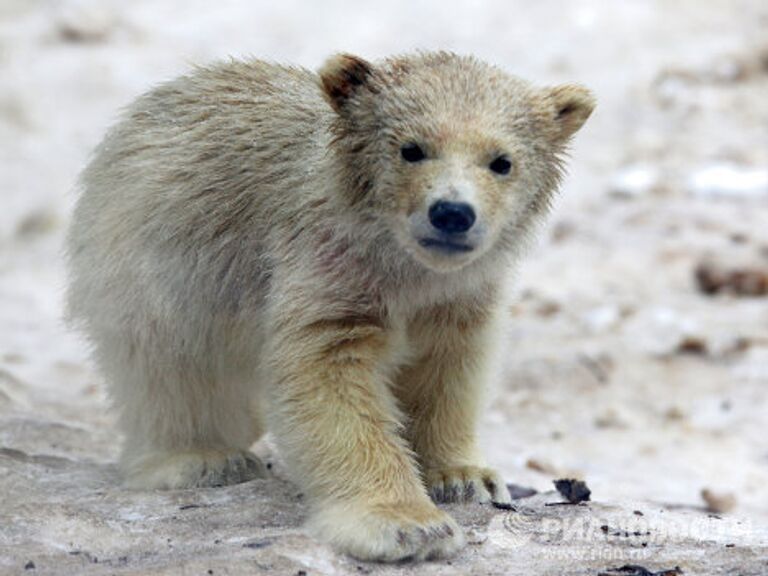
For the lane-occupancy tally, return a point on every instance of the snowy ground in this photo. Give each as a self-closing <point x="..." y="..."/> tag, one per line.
<point x="620" y="369"/>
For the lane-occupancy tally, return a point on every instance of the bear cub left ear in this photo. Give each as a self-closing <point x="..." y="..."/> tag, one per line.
<point x="570" y="105"/>
<point x="342" y="76"/>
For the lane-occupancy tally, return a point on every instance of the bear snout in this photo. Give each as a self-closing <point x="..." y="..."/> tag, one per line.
<point x="451" y="217"/>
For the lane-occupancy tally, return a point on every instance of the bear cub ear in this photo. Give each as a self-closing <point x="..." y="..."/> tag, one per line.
<point x="570" y="105"/>
<point x="342" y="76"/>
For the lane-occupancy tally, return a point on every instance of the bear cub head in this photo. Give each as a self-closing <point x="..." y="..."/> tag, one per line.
<point x="455" y="156"/>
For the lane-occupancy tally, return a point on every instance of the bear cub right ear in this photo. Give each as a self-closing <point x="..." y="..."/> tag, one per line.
<point x="342" y="76"/>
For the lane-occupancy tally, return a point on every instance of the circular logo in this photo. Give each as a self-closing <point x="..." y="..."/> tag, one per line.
<point x="515" y="530"/>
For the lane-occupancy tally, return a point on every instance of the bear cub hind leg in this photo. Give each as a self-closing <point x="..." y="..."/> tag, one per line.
<point x="183" y="427"/>
<point x="193" y="469"/>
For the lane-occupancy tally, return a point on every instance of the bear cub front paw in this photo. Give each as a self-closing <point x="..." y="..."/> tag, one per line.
<point x="466" y="484"/>
<point x="391" y="532"/>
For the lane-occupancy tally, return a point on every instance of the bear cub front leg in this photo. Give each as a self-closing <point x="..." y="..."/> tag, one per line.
<point x="442" y="391"/>
<point x="338" y="428"/>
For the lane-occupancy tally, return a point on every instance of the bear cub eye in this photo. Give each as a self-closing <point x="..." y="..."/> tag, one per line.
<point x="412" y="152"/>
<point x="501" y="165"/>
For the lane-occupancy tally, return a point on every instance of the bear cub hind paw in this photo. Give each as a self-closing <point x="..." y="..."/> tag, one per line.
<point x="466" y="484"/>
<point x="209" y="468"/>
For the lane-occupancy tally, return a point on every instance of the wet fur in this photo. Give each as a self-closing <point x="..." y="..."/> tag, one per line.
<point x="237" y="265"/>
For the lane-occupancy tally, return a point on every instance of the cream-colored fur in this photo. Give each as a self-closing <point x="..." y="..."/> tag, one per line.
<point x="248" y="255"/>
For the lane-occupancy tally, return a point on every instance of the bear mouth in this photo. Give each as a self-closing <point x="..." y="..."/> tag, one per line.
<point x="445" y="246"/>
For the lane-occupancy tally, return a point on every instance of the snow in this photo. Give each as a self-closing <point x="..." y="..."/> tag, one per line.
<point x="634" y="181"/>
<point x="724" y="180"/>
<point x="595" y="381"/>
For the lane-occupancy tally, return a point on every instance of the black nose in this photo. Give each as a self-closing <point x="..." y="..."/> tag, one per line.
<point x="451" y="217"/>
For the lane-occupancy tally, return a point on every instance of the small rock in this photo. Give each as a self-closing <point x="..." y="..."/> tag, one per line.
<point x="599" y="364"/>
<point x="660" y="331"/>
<point x="540" y="466"/>
<point x="574" y="491"/>
<point x="610" y="419"/>
<point x="744" y="280"/>
<point x="674" y="414"/>
<point x="738" y="237"/>
<point x="692" y="345"/>
<point x="718" y="502"/>
<point x="636" y="570"/>
<point x="37" y="223"/>
<point x="256" y="544"/>
<point x="13" y="358"/>
<point x="15" y="111"/>
<point x="563" y="230"/>
<point x="517" y="492"/>
<point x="547" y="308"/>
<point x="85" y="21"/>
